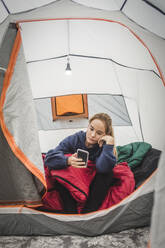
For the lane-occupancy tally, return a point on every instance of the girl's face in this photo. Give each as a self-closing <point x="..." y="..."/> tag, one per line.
<point x="95" y="131"/>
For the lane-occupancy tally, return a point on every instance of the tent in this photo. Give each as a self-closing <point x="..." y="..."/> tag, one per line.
<point x="116" y="54"/>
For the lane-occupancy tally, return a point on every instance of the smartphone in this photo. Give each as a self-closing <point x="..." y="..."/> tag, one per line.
<point x="84" y="155"/>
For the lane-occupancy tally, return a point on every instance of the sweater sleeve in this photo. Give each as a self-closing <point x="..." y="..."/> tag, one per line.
<point x="107" y="160"/>
<point x="55" y="158"/>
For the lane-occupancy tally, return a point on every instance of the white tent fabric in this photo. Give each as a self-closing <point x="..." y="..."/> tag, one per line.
<point x="21" y="6"/>
<point x="155" y="12"/>
<point x="154" y="21"/>
<point x="68" y="85"/>
<point x="89" y="33"/>
<point x="3" y="12"/>
<point x="104" y="5"/>
<point x="110" y="58"/>
<point x="115" y="47"/>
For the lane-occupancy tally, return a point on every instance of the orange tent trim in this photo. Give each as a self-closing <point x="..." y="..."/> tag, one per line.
<point x="10" y="139"/>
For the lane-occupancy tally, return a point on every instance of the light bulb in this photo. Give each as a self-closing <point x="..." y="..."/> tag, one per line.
<point x="68" y="70"/>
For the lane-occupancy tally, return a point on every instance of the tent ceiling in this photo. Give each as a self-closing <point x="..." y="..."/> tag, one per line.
<point x="87" y="76"/>
<point x="150" y="14"/>
<point x="158" y="4"/>
<point x="51" y="39"/>
<point x="3" y="12"/>
<point x="103" y="4"/>
<point x="147" y="16"/>
<point x="119" y="4"/>
<point x="23" y="5"/>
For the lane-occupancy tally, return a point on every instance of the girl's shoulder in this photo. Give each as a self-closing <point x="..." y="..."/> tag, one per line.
<point x="78" y="137"/>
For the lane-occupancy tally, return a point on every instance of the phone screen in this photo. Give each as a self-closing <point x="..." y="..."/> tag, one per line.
<point x="83" y="154"/>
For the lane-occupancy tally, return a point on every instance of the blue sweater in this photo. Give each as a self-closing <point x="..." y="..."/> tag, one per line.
<point x="102" y="156"/>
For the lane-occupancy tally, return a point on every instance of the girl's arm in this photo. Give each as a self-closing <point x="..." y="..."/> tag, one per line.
<point x="107" y="160"/>
<point x="55" y="158"/>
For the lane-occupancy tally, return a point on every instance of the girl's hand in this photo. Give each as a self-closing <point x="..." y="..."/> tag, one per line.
<point x="76" y="162"/>
<point x="108" y="139"/>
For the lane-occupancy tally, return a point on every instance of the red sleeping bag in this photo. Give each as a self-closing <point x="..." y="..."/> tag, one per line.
<point x="78" y="180"/>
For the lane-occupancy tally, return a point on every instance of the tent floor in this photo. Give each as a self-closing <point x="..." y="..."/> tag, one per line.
<point x="133" y="238"/>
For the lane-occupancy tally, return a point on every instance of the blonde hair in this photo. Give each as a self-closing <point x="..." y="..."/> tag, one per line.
<point x="106" y="119"/>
